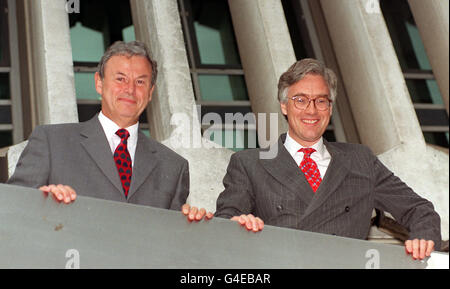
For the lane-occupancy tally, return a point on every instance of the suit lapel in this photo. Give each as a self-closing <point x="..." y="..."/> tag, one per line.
<point x="285" y="170"/>
<point x="337" y="171"/>
<point x="96" y="145"/>
<point x="145" y="161"/>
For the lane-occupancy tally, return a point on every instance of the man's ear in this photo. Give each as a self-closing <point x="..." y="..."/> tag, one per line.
<point x="98" y="83"/>
<point x="283" y="106"/>
<point x="151" y="93"/>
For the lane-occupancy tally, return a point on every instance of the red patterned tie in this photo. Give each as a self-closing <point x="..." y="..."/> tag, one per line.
<point x="123" y="160"/>
<point x="309" y="168"/>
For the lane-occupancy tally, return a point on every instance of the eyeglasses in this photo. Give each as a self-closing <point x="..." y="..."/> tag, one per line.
<point x="302" y="102"/>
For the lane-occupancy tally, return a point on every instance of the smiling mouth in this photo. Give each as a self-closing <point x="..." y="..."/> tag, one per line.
<point x="129" y="100"/>
<point x="310" y="121"/>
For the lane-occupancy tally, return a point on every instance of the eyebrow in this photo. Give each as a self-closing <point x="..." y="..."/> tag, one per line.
<point x="140" y="76"/>
<point x="316" y="96"/>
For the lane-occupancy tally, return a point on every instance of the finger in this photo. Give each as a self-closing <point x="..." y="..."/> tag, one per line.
<point x="209" y="216"/>
<point x="235" y="218"/>
<point x="66" y="193"/>
<point x="201" y="213"/>
<point x="260" y="224"/>
<point x="192" y="213"/>
<point x="408" y="246"/>
<point x="430" y="248"/>
<point x="422" y="248"/>
<point x="241" y="219"/>
<point x="45" y="190"/>
<point x="254" y="224"/>
<point x="415" y="245"/>
<point x="56" y="193"/>
<point x="185" y="209"/>
<point x="73" y="194"/>
<point x="250" y="222"/>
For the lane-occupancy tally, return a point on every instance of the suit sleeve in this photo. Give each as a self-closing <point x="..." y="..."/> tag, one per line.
<point x="238" y="197"/>
<point x="409" y="209"/>
<point x="33" y="167"/>
<point x="182" y="189"/>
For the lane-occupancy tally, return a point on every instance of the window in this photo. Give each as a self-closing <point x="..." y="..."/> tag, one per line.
<point x="10" y="98"/>
<point x="216" y="70"/>
<point x="98" y="25"/>
<point x="416" y="68"/>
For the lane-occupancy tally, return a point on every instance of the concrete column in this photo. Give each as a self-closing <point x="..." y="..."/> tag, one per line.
<point x="52" y="65"/>
<point x="380" y="101"/>
<point x="158" y="24"/>
<point x="172" y="113"/>
<point x="266" y="52"/>
<point x="432" y="20"/>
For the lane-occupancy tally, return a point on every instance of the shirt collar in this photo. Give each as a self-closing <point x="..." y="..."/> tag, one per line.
<point x="110" y="127"/>
<point x="292" y="146"/>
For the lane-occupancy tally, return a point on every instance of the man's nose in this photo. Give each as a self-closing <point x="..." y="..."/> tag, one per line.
<point x="131" y="88"/>
<point x="311" y="108"/>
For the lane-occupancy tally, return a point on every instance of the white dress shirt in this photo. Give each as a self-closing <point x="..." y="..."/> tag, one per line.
<point x="321" y="156"/>
<point x="110" y="128"/>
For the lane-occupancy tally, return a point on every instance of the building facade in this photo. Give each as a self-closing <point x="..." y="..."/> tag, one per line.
<point x="219" y="63"/>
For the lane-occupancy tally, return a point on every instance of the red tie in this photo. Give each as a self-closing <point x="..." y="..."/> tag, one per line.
<point x="123" y="160"/>
<point x="309" y="168"/>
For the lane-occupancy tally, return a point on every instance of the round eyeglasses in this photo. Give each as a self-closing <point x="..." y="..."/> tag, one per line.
<point x="302" y="102"/>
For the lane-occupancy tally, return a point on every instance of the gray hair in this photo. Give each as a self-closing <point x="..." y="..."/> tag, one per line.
<point x="133" y="48"/>
<point x="299" y="70"/>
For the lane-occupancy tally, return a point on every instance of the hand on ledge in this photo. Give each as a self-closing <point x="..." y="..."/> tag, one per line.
<point x="419" y="249"/>
<point x="250" y="222"/>
<point x="60" y="193"/>
<point x="195" y="214"/>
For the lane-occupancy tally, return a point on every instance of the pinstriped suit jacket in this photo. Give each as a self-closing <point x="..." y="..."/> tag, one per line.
<point x="78" y="155"/>
<point x="355" y="183"/>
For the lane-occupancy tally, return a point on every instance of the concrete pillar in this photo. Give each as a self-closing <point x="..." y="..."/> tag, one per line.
<point x="432" y="20"/>
<point x="266" y="52"/>
<point x="380" y="101"/>
<point x="52" y="65"/>
<point x="172" y="113"/>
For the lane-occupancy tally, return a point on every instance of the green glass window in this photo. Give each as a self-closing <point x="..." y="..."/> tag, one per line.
<point x="419" y="78"/>
<point x="222" y="87"/>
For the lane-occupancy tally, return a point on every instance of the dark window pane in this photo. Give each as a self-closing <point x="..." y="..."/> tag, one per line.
<point x="5" y="114"/>
<point x="297" y="29"/>
<point x="432" y="117"/>
<point x="5" y="138"/>
<point x="99" y="24"/>
<point x="222" y="87"/>
<point x="404" y="34"/>
<point x="4" y="86"/>
<point x="424" y="91"/>
<point x="437" y="138"/>
<point x="4" y="34"/>
<point x="214" y="32"/>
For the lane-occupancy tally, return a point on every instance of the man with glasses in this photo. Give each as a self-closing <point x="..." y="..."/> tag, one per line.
<point x="320" y="186"/>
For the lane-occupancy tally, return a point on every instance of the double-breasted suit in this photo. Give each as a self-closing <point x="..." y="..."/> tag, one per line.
<point x="355" y="183"/>
<point x="78" y="155"/>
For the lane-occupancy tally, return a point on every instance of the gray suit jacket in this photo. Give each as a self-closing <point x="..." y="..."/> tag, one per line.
<point x="78" y="155"/>
<point x="355" y="183"/>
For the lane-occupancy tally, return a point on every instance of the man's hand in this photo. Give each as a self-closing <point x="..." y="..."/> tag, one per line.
<point x="419" y="248"/>
<point x="250" y="222"/>
<point x="193" y="213"/>
<point x="60" y="193"/>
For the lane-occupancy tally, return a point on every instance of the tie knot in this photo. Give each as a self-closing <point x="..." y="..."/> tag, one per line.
<point x="123" y="133"/>
<point x="307" y="151"/>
